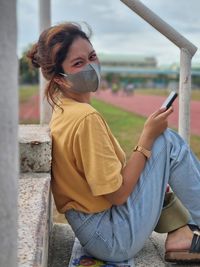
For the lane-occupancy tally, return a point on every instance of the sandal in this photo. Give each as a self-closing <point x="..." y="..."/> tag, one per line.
<point x="186" y="256"/>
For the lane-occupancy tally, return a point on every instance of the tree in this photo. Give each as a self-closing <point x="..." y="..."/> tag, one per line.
<point x="27" y="73"/>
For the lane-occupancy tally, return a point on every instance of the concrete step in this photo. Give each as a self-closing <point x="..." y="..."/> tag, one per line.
<point x="35" y="148"/>
<point x="61" y="244"/>
<point x="34" y="223"/>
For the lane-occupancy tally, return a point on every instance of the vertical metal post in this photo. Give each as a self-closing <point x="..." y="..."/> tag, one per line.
<point x="184" y="94"/>
<point x="45" y="22"/>
<point x="8" y="134"/>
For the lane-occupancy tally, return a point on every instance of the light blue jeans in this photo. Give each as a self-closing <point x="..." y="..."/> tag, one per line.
<point x="119" y="233"/>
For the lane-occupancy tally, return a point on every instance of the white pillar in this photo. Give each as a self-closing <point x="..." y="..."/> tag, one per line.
<point x="45" y="22"/>
<point x="8" y="134"/>
<point x="184" y="94"/>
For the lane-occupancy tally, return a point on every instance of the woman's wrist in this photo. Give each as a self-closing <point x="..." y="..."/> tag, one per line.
<point x="145" y="141"/>
<point x="144" y="151"/>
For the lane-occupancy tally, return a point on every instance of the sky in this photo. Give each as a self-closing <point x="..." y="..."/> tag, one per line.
<point x="116" y="28"/>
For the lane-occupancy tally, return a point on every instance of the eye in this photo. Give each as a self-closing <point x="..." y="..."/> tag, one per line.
<point x="78" y="64"/>
<point x="93" y="57"/>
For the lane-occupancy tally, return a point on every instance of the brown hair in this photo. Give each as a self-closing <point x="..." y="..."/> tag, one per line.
<point x="51" y="50"/>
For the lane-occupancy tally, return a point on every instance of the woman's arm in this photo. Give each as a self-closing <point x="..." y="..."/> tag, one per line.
<point x="155" y="125"/>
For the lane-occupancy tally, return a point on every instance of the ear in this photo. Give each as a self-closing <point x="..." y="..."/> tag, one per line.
<point x="61" y="81"/>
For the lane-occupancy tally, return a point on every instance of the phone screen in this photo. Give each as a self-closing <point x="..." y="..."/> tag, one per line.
<point x="170" y="99"/>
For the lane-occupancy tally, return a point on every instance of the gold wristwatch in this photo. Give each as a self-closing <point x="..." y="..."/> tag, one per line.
<point x="143" y="150"/>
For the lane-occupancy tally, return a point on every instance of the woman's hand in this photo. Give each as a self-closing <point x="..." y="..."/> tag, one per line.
<point x="154" y="126"/>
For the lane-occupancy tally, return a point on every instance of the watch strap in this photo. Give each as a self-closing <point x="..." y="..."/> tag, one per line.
<point x="144" y="151"/>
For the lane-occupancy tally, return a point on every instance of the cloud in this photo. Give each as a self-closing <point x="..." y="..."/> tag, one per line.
<point x="116" y="28"/>
<point x="28" y="21"/>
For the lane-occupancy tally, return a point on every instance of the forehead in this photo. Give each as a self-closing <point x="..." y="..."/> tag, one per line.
<point x="80" y="47"/>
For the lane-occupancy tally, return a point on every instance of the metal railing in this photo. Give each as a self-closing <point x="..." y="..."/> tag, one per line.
<point x="187" y="51"/>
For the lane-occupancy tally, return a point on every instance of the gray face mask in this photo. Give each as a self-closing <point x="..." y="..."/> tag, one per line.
<point x="86" y="80"/>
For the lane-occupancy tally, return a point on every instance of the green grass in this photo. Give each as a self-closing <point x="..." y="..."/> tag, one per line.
<point x="127" y="127"/>
<point x="164" y="92"/>
<point x="195" y="144"/>
<point x="27" y="91"/>
<point x="196" y="95"/>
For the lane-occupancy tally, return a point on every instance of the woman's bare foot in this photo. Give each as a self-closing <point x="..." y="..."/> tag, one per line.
<point x="179" y="239"/>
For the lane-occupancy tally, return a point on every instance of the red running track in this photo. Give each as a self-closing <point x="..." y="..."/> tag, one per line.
<point x="29" y="111"/>
<point x="144" y="105"/>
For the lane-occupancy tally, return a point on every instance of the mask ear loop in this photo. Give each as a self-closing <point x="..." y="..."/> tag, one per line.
<point x="72" y="91"/>
<point x="63" y="74"/>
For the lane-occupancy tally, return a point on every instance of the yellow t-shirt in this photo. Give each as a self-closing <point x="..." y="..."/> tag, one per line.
<point x="86" y="158"/>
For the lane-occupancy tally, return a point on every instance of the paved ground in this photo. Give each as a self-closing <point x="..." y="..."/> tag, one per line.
<point x="146" y="104"/>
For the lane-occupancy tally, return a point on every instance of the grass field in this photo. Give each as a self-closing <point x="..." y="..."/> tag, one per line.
<point x="125" y="126"/>
<point x="195" y="95"/>
<point x="27" y="91"/>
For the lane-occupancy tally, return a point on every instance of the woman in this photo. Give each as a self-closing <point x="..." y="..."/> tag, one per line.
<point x="112" y="205"/>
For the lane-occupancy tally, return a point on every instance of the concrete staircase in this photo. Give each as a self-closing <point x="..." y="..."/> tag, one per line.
<point x="35" y="202"/>
<point x="34" y="219"/>
<point x="41" y="242"/>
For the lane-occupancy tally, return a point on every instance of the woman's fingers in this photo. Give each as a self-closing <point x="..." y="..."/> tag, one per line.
<point x="162" y="112"/>
<point x="167" y="112"/>
<point x="157" y="112"/>
<point x="157" y="122"/>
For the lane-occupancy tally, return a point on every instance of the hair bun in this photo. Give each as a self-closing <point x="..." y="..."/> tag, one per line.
<point x="33" y="55"/>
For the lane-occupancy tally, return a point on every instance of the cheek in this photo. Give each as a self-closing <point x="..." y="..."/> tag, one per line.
<point x="69" y="70"/>
<point x="97" y="61"/>
<point x="66" y="68"/>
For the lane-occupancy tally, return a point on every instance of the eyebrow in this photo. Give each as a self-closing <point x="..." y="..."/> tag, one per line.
<point x="78" y="58"/>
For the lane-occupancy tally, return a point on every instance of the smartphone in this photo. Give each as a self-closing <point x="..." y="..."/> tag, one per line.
<point x="170" y="99"/>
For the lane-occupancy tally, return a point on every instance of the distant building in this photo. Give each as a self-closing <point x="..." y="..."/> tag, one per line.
<point x="142" y="71"/>
<point x="125" y="60"/>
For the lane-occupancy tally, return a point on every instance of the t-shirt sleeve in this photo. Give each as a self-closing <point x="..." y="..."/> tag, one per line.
<point x="95" y="155"/>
